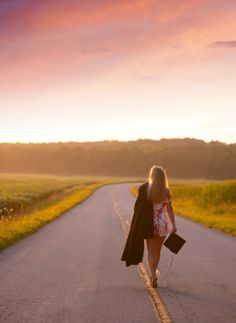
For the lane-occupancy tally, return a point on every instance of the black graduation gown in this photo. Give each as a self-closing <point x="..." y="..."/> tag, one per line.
<point x="141" y="228"/>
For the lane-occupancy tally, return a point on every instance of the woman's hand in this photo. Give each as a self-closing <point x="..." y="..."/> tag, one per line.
<point x="174" y="229"/>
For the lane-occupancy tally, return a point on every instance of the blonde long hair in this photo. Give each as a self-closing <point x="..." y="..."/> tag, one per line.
<point x="157" y="184"/>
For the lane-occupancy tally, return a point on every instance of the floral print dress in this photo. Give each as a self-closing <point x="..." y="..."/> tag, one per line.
<point x="160" y="222"/>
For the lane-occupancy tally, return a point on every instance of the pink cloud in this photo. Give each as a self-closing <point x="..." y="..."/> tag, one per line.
<point x="224" y="44"/>
<point x="52" y="40"/>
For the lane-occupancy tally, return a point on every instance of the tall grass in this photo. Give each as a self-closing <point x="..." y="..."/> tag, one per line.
<point x="20" y="191"/>
<point x="212" y="204"/>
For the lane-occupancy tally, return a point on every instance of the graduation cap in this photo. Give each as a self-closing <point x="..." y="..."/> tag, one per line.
<point x="174" y="242"/>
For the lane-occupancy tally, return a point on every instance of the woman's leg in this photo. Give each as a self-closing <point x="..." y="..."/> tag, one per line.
<point x="152" y="259"/>
<point x="158" y="241"/>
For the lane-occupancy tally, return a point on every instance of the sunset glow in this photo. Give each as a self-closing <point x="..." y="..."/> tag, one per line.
<point x="94" y="70"/>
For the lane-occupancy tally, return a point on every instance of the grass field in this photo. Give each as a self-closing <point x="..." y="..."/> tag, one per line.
<point x="17" y="192"/>
<point x="210" y="203"/>
<point x="28" y="202"/>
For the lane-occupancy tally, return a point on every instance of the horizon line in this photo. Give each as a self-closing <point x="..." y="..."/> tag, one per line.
<point x="116" y="140"/>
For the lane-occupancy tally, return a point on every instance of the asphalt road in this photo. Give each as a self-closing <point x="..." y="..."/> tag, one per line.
<point x="200" y="285"/>
<point x="70" y="271"/>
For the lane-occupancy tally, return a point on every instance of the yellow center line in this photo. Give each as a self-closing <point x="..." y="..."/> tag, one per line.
<point x="159" y="308"/>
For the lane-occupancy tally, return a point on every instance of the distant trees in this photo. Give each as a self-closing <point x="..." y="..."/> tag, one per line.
<point x="182" y="158"/>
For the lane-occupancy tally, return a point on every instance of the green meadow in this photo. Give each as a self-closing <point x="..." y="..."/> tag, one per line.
<point x="210" y="203"/>
<point x="28" y="202"/>
<point x="19" y="192"/>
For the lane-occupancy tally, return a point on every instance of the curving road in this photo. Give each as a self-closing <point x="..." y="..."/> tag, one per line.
<point x="70" y="271"/>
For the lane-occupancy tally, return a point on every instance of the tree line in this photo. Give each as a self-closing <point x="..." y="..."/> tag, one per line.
<point x="182" y="158"/>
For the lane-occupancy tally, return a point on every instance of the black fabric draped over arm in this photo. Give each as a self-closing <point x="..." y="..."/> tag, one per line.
<point x="141" y="228"/>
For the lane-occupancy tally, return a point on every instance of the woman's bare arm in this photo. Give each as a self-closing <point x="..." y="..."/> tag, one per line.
<point x="170" y="212"/>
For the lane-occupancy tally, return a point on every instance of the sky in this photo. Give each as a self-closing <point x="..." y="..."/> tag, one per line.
<point x="117" y="70"/>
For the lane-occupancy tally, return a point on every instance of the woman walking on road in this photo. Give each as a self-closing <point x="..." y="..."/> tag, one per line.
<point x="149" y="221"/>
